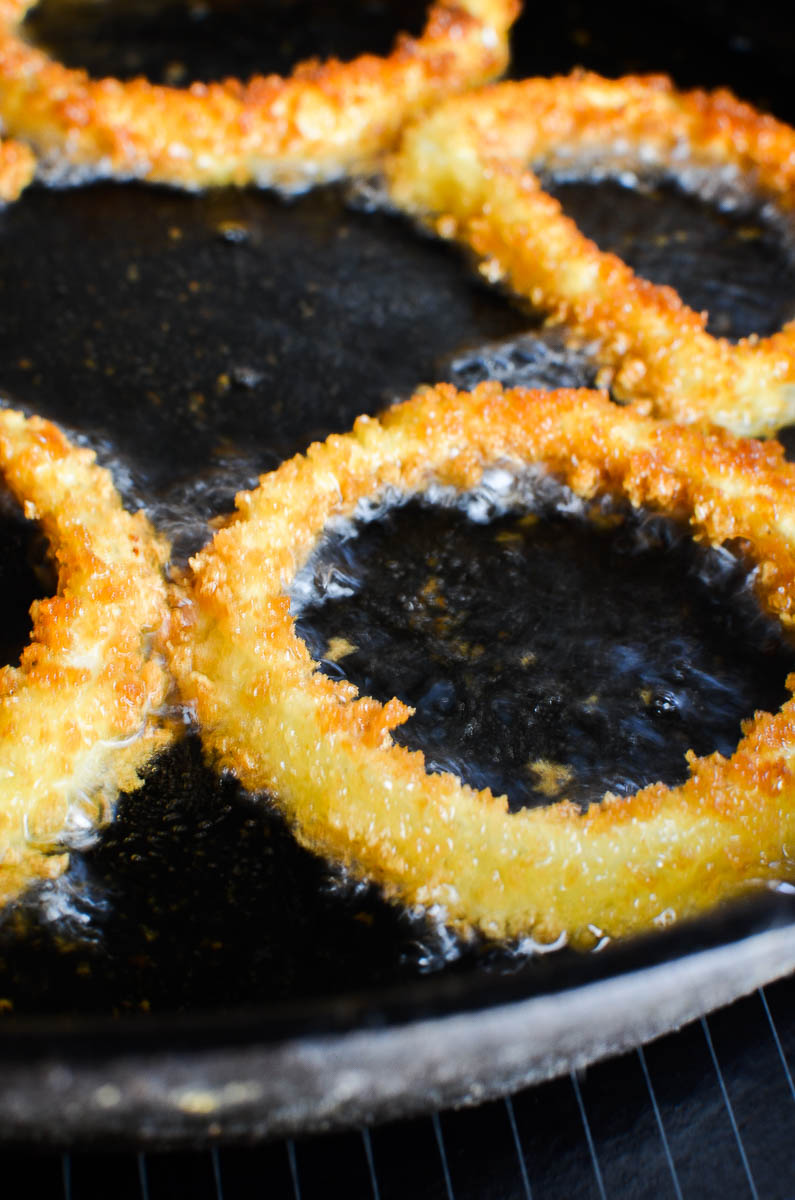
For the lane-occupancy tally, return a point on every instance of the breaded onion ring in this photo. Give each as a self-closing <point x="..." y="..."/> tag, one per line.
<point x="76" y="716"/>
<point x="17" y="165"/>
<point x="351" y="793"/>
<point x="324" y="121"/>
<point x="465" y="170"/>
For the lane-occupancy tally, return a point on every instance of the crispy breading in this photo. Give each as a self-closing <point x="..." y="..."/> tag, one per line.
<point x="326" y="756"/>
<point x="78" y="715"/>
<point x="466" y="171"/>
<point x="17" y="166"/>
<point x="324" y="121"/>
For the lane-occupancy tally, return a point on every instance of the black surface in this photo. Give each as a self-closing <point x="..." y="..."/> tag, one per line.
<point x="746" y="47"/>
<point x="204" y="338"/>
<point x="526" y="648"/>
<point x="25" y="575"/>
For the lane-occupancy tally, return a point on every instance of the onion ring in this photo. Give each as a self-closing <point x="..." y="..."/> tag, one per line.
<point x="464" y="170"/>
<point x="352" y="794"/>
<point x="17" y="166"/>
<point x="77" y="715"/>
<point x="323" y="122"/>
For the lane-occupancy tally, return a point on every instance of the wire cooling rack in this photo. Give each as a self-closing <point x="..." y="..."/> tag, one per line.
<point x="708" y="1111"/>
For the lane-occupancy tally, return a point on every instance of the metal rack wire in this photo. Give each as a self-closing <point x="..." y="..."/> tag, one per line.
<point x="707" y="1111"/>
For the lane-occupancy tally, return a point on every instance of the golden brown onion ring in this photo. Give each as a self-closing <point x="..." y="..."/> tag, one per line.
<point x="324" y="121"/>
<point x="351" y="793"/>
<point x="465" y="170"/>
<point x="77" y="716"/>
<point x="17" y="166"/>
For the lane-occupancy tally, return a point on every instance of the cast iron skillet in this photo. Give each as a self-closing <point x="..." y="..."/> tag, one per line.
<point x="196" y="974"/>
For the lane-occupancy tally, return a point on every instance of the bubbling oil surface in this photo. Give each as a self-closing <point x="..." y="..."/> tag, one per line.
<point x="549" y="652"/>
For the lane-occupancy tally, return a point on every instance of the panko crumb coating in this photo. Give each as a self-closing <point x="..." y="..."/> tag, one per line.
<point x="466" y="172"/>
<point x="79" y="715"/>
<point x="325" y="121"/>
<point x="17" y="167"/>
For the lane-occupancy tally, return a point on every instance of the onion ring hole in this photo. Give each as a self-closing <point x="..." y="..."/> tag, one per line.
<point x="524" y="647"/>
<point x="27" y="574"/>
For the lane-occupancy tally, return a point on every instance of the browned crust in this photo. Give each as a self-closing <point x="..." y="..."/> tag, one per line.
<point x="465" y="170"/>
<point x="78" y="715"/>
<point x="324" y="121"/>
<point x="17" y="166"/>
<point x="352" y="794"/>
